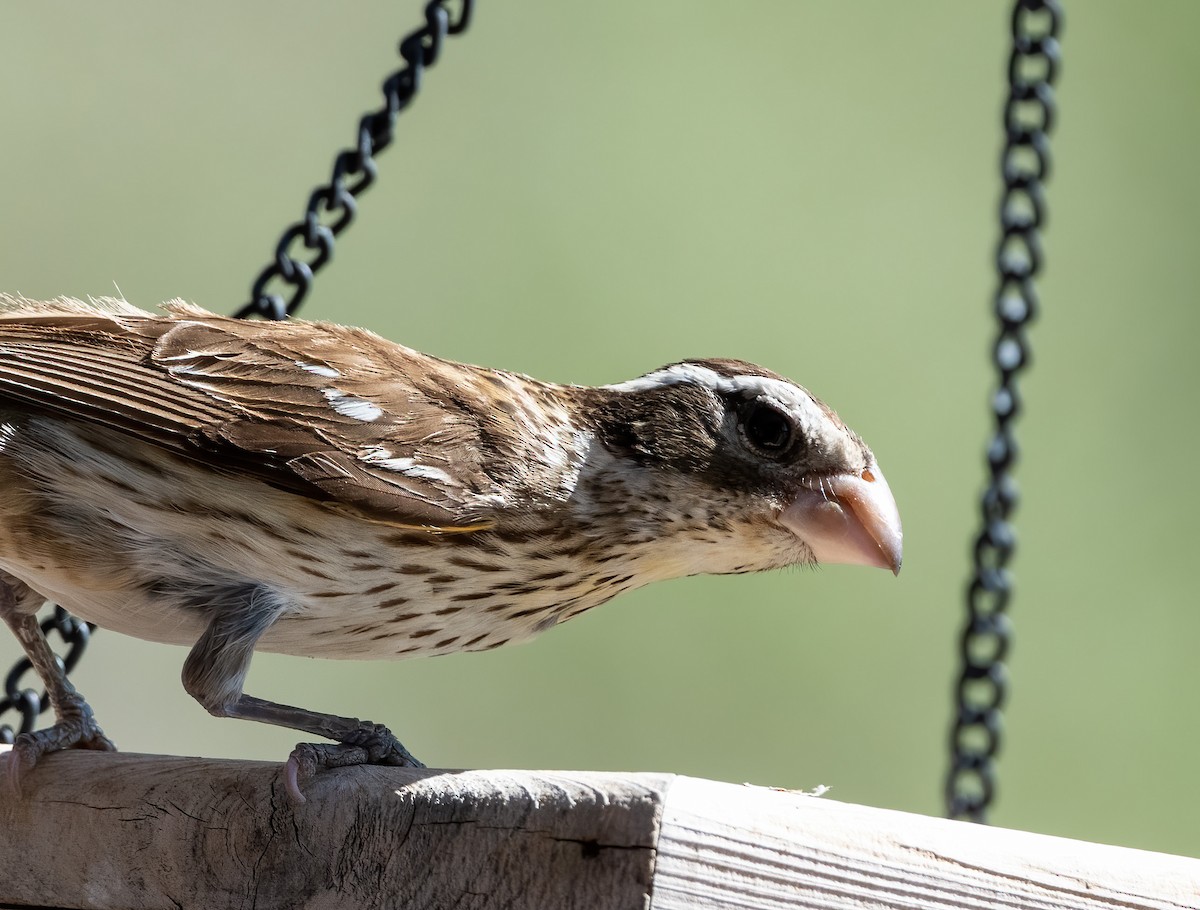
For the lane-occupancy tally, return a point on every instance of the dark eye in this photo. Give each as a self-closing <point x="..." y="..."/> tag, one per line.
<point x="767" y="429"/>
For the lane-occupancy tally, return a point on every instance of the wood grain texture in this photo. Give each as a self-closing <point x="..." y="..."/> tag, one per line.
<point x="755" y="848"/>
<point x="99" y="830"/>
<point x="132" y="831"/>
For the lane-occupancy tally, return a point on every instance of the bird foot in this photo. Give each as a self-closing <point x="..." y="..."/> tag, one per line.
<point x="370" y="744"/>
<point x="76" y="729"/>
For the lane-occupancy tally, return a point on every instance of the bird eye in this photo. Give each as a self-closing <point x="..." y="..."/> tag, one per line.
<point x="766" y="429"/>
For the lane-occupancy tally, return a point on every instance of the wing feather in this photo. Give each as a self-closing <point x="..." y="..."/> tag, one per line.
<point x="334" y="413"/>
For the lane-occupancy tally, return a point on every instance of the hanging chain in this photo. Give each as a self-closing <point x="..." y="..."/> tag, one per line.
<point x="1024" y="165"/>
<point x="27" y="702"/>
<point x="332" y="207"/>
<point x="330" y="210"/>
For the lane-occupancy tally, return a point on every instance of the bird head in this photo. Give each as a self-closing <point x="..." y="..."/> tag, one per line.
<point x="723" y="447"/>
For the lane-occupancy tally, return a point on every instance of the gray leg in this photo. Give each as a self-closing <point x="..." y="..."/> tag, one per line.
<point x="75" y="726"/>
<point x="215" y="672"/>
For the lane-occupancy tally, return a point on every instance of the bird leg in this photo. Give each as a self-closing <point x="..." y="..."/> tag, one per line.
<point x="358" y="742"/>
<point x="215" y="672"/>
<point x="75" y="726"/>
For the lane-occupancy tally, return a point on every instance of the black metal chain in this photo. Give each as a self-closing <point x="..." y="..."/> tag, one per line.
<point x="27" y="702"/>
<point x="1024" y="165"/>
<point x="331" y="209"/>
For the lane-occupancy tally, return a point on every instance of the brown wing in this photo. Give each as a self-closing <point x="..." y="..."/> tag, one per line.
<point x="331" y="412"/>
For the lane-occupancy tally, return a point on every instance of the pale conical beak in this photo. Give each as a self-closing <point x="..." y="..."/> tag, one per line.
<point x="849" y="518"/>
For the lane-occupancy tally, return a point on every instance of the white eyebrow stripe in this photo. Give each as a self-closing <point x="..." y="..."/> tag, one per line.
<point x="785" y="395"/>
<point x="672" y="375"/>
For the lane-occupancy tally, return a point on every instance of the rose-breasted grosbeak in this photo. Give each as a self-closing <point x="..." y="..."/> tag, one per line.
<point x="313" y="489"/>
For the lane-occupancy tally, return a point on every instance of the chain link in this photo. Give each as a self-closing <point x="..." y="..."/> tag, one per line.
<point x="330" y="210"/>
<point x="1024" y="164"/>
<point x="332" y="207"/>
<point x="27" y="702"/>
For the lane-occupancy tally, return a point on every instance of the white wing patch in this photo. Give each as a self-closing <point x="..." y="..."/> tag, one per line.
<point x="354" y="408"/>
<point x="318" y="369"/>
<point x="186" y="355"/>
<point x="409" y="467"/>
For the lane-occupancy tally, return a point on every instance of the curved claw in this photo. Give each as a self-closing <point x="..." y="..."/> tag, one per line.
<point x="308" y="758"/>
<point x="81" y="732"/>
<point x="12" y="771"/>
<point x="291" y="777"/>
<point x="373" y="744"/>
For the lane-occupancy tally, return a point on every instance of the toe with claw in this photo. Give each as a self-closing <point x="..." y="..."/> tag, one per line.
<point x="370" y="744"/>
<point x="77" y="729"/>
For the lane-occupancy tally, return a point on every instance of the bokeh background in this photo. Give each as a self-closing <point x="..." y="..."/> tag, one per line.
<point x="584" y="192"/>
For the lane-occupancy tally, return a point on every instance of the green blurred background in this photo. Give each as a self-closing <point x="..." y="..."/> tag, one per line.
<point x="584" y="192"/>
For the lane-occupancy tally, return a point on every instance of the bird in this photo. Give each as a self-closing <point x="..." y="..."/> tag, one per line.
<point x="313" y="489"/>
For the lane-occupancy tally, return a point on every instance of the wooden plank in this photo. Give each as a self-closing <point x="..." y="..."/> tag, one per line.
<point x="105" y="831"/>
<point x="749" y="847"/>
<point x="112" y="831"/>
